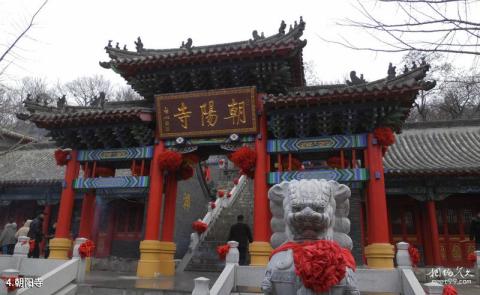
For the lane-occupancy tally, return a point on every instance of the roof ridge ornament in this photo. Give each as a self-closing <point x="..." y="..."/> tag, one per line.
<point x="281" y="30"/>
<point x="354" y="80"/>
<point x="139" y="44"/>
<point x="256" y="36"/>
<point x="391" y="73"/>
<point x="187" y="45"/>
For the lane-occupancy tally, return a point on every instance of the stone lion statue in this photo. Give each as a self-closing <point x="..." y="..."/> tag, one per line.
<point x="309" y="221"/>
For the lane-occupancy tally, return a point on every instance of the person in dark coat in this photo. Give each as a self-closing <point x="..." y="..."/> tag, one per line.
<point x="241" y="233"/>
<point x="475" y="230"/>
<point x="7" y="238"/>
<point x="35" y="233"/>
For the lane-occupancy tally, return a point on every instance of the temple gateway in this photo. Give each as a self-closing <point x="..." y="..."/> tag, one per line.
<point x="221" y="124"/>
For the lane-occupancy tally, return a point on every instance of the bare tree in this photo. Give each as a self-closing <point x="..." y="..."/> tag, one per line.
<point x="85" y="89"/>
<point x="9" y="48"/>
<point x="126" y="93"/>
<point x="449" y="26"/>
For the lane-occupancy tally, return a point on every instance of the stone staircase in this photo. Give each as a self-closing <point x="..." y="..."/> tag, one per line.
<point x="205" y="257"/>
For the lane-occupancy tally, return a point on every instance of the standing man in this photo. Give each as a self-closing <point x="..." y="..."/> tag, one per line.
<point x="35" y="233"/>
<point x="475" y="230"/>
<point x="240" y="232"/>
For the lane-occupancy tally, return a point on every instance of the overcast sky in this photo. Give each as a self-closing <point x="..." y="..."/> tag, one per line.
<point x="69" y="38"/>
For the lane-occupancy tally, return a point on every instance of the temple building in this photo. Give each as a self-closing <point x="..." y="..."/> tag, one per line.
<point x="251" y="97"/>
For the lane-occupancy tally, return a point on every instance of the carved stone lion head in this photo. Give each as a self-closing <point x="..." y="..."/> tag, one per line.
<point x="307" y="209"/>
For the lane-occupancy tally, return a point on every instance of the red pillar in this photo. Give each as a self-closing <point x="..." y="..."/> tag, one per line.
<point x="168" y="229"/>
<point x="377" y="201"/>
<point x="154" y="208"/>
<point x="67" y="198"/>
<point x="86" y="217"/>
<point x="261" y="214"/>
<point x="435" y="242"/>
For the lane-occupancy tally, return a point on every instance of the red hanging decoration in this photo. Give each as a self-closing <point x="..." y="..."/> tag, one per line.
<point x="186" y="172"/>
<point x="86" y="249"/>
<point x="472" y="258"/>
<point x="414" y="255"/>
<point x="213" y="205"/>
<point x="220" y="193"/>
<point x="170" y="161"/>
<point x="245" y="159"/>
<point x="449" y="290"/>
<point x="320" y="264"/>
<point x="199" y="226"/>
<point x="222" y="251"/>
<point x="384" y="135"/>
<point x="61" y="157"/>
<point x="334" y="162"/>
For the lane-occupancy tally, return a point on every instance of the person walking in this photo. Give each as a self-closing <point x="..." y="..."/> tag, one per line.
<point x="7" y="238"/>
<point x="35" y="233"/>
<point x="23" y="231"/>
<point x="241" y="233"/>
<point x="51" y="235"/>
<point x="475" y="230"/>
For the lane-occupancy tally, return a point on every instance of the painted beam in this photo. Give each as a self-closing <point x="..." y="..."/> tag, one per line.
<point x="317" y="144"/>
<point x="209" y="141"/>
<point x="112" y="182"/>
<point x="115" y="154"/>
<point x="340" y="175"/>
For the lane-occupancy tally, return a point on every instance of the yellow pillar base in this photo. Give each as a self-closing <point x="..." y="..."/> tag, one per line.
<point x="88" y="264"/>
<point x="149" y="262"/>
<point x="59" y="248"/>
<point x="379" y="255"/>
<point x="167" y="263"/>
<point x="260" y="253"/>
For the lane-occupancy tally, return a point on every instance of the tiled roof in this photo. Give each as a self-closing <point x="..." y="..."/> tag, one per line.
<point x="409" y="81"/>
<point x="34" y="164"/>
<point x="436" y="148"/>
<point x="280" y="43"/>
<point x="90" y="117"/>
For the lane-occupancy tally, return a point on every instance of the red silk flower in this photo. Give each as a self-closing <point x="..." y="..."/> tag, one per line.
<point x="213" y="205"/>
<point x="414" y="255"/>
<point x="449" y="290"/>
<point x="222" y="251"/>
<point x="86" y="249"/>
<point x="349" y="259"/>
<point x="472" y="258"/>
<point x="220" y="193"/>
<point x="384" y="135"/>
<point x="170" y="160"/>
<point x="245" y="159"/>
<point x="320" y="264"/>
<point x="199" y="226"/>
<point x="61" y="157"/>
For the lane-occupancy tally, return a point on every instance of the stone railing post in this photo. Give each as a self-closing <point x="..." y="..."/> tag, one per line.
<point x="82" y="263"/>
<point x="22" y="247"/>
<point x="402" y="256"/>
<point x="201" y="286"/>
<point x="433" y="288"/>
<point x="233" y="255"/>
